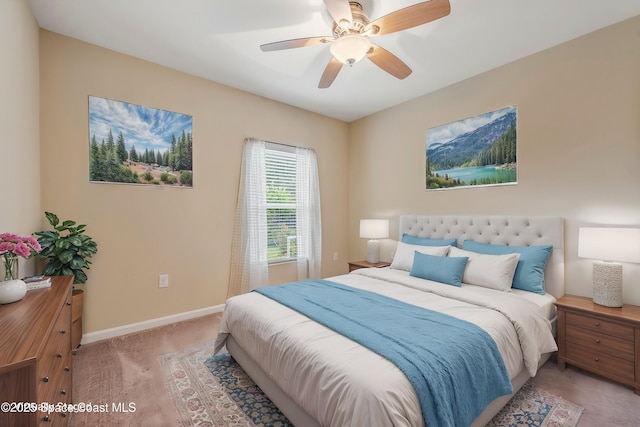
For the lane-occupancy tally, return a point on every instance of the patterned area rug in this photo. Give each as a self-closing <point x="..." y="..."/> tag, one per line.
<point x="214" y="391"/>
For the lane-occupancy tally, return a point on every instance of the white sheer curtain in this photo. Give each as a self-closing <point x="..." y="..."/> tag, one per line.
<point x="249" y="268"/>
<point x="308" y="221"/>
<point x="249" y="264"/>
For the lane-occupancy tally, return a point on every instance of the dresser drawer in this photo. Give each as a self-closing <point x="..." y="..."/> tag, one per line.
<point x="58" y="346"/>
<point x="599" y="325"/>
<point x="600" y="362"/>
<point x="54" y="366"/>
<point x="601" y="342"/>
<point x="55" y="385"/>
<point x="53" y="419"/>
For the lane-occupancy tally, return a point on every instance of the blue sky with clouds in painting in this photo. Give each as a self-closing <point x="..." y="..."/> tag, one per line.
<point x="445" y="133"/>
<point x="147" y="128"/>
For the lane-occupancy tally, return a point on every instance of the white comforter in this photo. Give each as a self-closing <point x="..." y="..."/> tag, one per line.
<point x="341" y="383"/>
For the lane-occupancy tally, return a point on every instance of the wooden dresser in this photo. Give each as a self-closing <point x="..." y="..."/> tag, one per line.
<point x="602" y="340"/>
<point x="35" y="356"/>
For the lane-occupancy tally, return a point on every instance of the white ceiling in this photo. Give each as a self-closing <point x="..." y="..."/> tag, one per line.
<point x="219" y="40"/>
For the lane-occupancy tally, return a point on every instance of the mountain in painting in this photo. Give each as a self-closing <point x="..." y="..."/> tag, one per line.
<point x="469" y="146"/>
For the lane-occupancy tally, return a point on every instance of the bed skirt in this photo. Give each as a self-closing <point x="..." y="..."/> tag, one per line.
<point x="299" y="416"/>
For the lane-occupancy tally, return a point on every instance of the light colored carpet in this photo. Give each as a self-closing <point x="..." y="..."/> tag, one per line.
<point x="125" y="370"/>
<point x="214" y="391"/>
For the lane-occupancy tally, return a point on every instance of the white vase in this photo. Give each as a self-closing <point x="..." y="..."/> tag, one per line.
<point x="12" y="291"/>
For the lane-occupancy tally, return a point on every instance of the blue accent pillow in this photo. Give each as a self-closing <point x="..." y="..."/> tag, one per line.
<point x="529" y="275"/>
<point x="441" y="269"/>
<point x="423" y="241"/>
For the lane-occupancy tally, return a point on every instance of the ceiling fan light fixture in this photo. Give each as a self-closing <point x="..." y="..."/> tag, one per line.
<point x="350" y="48"/>
<point x="344" y="24"/>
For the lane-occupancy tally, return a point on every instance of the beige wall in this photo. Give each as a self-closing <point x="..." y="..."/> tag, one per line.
<point x="186" y="233"/>
<point x="19" y="115"/>
<point x="578" y="146"/>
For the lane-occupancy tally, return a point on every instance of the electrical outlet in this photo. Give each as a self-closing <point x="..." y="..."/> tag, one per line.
<point x="163" y="281"/>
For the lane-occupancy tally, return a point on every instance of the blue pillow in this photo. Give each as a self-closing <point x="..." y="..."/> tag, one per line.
<point x="441" y="269"/>
<point x="529" y="275"/>
<point x="423" y="241"/>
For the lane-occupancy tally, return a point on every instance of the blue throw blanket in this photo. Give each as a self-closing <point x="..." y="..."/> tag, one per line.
<point x="454" y="366"/>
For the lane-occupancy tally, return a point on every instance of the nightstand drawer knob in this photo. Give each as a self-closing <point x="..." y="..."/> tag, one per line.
<point x="62" y="331"/>
<point x="597" y="340"/>
<point x="597" y="359"/>
<point x="45" y="379"/>
<point x="597" y="324"/>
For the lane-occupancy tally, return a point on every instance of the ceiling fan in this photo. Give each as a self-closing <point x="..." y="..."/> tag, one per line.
<point x="352" y="30"/>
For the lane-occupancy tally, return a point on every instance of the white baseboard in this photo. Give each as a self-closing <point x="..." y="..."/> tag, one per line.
<point x="148" y="324"/>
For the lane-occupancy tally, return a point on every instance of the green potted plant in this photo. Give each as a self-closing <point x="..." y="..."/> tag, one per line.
<point x="67" y="251"/>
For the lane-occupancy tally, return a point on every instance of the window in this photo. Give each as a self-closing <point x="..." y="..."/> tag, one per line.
<point x="277" y="216"/>
<point x="280" y="168"/>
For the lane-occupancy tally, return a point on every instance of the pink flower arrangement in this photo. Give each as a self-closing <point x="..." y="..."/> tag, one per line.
<point x="14" y="245"/>
<point x="11" y="247"/>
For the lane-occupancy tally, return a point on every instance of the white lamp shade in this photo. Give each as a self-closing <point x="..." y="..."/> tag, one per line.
<point x="374" y="228"/>
<point x="351" y="48"/>
<point x="609" y="244"/>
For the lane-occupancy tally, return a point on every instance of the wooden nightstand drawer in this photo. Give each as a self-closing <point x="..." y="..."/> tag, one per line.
<point x="600" y="362"/>
<point x="599" y="325"/>
<point x="601" y="342"/>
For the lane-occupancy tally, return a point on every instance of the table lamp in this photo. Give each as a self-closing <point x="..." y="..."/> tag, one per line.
<point x="374" y="229"/>
<point x="610" y="244"/>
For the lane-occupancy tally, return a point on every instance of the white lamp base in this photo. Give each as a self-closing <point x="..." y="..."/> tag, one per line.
<point x="607" y="284"/>
<point x="373" y="251"/>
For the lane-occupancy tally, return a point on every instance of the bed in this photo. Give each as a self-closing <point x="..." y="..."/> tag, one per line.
<point x="318" y="377"/>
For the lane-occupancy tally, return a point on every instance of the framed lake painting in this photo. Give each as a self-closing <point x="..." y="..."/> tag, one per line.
<point x="477" y="151"/>
<point x="132" y="144"/>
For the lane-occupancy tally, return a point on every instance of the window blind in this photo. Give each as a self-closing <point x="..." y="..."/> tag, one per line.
<point x="280" y="165"/>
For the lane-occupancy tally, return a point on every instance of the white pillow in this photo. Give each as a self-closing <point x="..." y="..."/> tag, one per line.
<point x="403" y="259"/>
<point x="490" y="271"/>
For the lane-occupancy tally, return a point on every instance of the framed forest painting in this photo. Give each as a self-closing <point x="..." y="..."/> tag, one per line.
<point x="133" y="144"/>
<point x="477" y="151"/>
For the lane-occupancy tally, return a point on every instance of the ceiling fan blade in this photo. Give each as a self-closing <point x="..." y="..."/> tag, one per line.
<point x="293" y="43"/>
<point x="411" y="16"/>
<point x="330" y="73"/>
<point x="388" y="62"/>
<point x="340" y="10"/>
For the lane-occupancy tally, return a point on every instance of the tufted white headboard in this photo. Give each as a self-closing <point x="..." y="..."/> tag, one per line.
<point x="502" y="230"/>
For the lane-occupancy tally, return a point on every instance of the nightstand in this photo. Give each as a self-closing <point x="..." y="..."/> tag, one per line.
<point x="599" y="339"/>
<point x="355" y="265"/>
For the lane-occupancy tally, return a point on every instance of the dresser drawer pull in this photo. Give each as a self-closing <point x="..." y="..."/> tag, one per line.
<point x="68" y="303"/>
<point x="62" y="331"/>
<point x="46" y="418"/>
<point x="66" y="369"/>
<point x="63" y="392"/>
<point x="62" y="414"/>
<point x="45" y="379"/>
<point x="597" y="359"/>
<point x="596" y="324"/>
<point x="597" y="340"/>
<point x="59" y="355"/>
